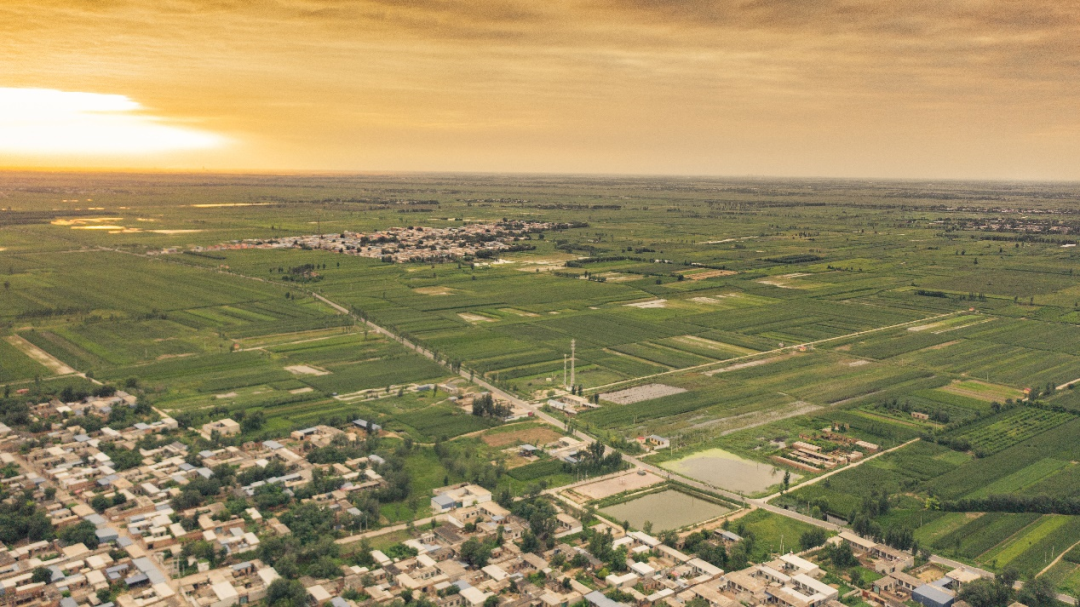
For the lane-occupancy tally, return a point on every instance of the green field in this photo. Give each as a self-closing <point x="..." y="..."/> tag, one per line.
<point x="784" y="309"/>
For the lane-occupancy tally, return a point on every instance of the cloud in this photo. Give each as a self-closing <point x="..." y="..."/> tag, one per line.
<point x="764" y="86"/>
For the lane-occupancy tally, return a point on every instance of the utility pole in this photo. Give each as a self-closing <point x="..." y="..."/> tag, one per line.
<point x="573" y="360"/>
<point x="564" y="371"/>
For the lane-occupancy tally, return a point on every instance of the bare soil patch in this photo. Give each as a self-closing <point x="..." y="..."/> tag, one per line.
<point x="49" y="361"/>
<point x="469" y="317"/>
<point x="306" y="370"/>
<point x="519" y="312"/>
<point x="710" y="274"/>
<point x="530" y="436"/>
<point x="652" y="303"/>
<point x="434" y="290"/>
<point x="631" y="481"/>
<point x="640" y="393"/>
<point x="746" y="365"/>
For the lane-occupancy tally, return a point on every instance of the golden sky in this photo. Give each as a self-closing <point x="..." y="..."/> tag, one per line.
<point x="869" y="88"/>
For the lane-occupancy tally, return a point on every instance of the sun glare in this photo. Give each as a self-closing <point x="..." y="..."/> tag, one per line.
<point x="54" y="123"/>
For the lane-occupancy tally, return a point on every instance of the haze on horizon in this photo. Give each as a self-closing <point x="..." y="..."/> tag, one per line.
<point x="966" y="89"/>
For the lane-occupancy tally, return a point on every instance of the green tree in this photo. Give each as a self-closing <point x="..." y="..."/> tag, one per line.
<point x="253" y="421"/>
<point x="475" y="553"/>
<point x="842" y="556"/>
<point x="41" y="574"/>
<point x="984" y="593"/>
<point x="1038" y="592"/>
<point x="813" y="538"/>
<point x="286" y="593"/>
<point x="82" y="532"/>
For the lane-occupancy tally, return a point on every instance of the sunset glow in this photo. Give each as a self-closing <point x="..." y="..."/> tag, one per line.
<point x="58" y="123"/>
<point x="850" y="88"/>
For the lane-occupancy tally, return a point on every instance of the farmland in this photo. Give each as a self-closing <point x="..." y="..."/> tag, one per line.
<point x="740" y="315"/>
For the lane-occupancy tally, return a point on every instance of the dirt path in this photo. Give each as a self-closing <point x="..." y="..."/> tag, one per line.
<point x="791" y="348"/>
<point x="389" y="529"/>
<point x="48" y="360"/>
<point x="1057" y="560"/>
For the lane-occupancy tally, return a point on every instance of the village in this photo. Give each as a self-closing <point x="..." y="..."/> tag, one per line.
<point x="468" y="242"/>
<point x="142" y="519"/>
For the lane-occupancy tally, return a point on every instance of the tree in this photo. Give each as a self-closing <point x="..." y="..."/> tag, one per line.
<point x="843" y="557"/>
<point x="985" y="593"/>
<point x="1008" y="577"/>
<point x="41" y="574"/>
<point x="1038" y="592"/>
<point x="324" y="568"/>
<point x="100" y="503"/>
<point x="856" y="578"/>
<point x="475" y="553"/>
<point x="82" y="532"/>
<point x="286" y="593"/>
<point x="529" y="543"/>
<point x="492" y="601"/>
<point x="813" y="538"/>
<point x="253" y="421"/>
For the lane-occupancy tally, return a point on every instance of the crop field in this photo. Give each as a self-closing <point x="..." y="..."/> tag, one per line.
<point x="1009" y="428"/>
<point x="1042" y="465"/>
<point x="771" y="532"/>
<point x="894" y="473"/>
<point x="1058" y="443"/>
<point x="15" y="365"/>
<point x="812" y="379"/>
<point x="1036" y="546"/>
<point x="439" y="422"/>
<point x="775" y="309"/>
<point x="982" y="534"/>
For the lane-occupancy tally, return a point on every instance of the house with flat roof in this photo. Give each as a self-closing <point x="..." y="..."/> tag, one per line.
<point x="224" y="427"/>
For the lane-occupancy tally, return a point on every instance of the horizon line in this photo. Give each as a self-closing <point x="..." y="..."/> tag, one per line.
<point x="581" y="175"/>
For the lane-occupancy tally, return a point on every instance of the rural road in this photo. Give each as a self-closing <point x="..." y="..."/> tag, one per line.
<point x="390" y="529"/>
<point x="791" y="348"/>
<point x="551" y="420"/>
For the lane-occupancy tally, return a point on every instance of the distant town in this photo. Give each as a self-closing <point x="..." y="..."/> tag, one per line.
<point x="413" y="243"/>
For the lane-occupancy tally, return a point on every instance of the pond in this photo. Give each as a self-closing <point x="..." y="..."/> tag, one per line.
<point x="729" y="471"/>
<point x="666" y="510"/>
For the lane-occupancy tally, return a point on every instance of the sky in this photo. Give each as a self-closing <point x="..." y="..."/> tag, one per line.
<point x="964" y="89"/>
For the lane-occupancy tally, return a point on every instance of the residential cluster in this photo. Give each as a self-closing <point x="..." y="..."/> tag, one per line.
<point x="408" y="244"/>
<point x="145" y="512"/>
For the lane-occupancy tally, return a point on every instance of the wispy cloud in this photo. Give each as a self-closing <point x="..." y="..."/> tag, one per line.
<point x="761" y="86"/>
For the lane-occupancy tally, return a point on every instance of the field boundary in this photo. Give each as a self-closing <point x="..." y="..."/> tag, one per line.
<point x="791" y="348"/>
<point x="50" y="362"/>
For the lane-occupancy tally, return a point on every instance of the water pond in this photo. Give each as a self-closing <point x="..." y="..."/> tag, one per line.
<point x="728" y="471"/>
<point x="666" y="510"/>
